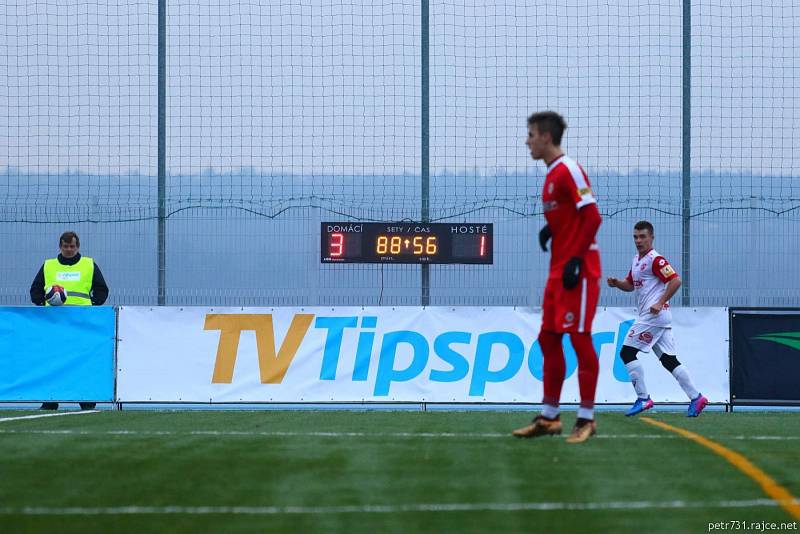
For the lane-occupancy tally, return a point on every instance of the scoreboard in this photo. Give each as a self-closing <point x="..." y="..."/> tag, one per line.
<point x="406" y="242"/>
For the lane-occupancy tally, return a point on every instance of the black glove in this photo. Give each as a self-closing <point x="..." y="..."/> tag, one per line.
<point x="572" y="272"/>
<point x="544" y="236"/>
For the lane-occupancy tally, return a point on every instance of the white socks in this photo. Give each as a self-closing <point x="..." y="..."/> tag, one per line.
<point x="682" y="376"/>
<point x="636" y="372"/>
<point x="549" y="411"/>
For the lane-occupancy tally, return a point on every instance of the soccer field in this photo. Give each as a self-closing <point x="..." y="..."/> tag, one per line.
<point x="345" y="471"/>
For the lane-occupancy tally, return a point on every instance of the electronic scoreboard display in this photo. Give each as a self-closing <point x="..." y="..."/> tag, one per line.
<point x="406" y="242"/>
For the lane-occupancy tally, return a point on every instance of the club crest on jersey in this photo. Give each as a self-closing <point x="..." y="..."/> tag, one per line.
<point x="550" y="188"/>
<point x="647" y="337"/>
<point x="569" y="320"/>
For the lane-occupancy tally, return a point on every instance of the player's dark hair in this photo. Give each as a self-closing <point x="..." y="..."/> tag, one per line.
<point x="644" y="225"/>
<point x="549" y="122"/>
<point x="67" y="237"/>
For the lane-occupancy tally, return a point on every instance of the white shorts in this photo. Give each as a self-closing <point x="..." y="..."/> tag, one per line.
<point x="644" y="337"/>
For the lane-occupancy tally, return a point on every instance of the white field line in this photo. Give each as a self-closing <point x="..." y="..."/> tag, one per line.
<point x="380" y="509"/>
<point x="39" y="416"/>
<point x="268" y="434"/>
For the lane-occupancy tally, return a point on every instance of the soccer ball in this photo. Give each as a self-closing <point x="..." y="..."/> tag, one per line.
<point x="55" y="295"/>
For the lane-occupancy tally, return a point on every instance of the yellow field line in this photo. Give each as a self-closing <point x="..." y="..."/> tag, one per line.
<point x="777" y="492"/>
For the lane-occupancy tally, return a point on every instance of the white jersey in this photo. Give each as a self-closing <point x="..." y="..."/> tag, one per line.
<point x="649" y="275"/>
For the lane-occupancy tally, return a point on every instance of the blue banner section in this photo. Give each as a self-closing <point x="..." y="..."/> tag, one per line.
<point x="57" y="354"/>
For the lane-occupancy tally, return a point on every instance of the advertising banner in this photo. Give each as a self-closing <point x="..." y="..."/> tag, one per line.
<point x="385" y="354"/>
<point x="765" y="355"/>
<point x="57" y="353"/>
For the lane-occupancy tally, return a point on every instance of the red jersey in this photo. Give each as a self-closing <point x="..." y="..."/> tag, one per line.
<point x="567" y="190"/>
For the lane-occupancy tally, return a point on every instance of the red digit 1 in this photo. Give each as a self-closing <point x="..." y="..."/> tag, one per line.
<point x="337" y="245"/>
<point x="483" y="245"/>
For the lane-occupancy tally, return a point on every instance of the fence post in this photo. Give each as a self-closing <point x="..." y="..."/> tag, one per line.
<point x="425" y="297"/>
<point x="162" y="149"/>
<point x="686" y="189"/>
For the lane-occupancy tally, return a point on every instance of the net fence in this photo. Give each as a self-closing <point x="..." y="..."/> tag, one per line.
<point x="281" y="115"/>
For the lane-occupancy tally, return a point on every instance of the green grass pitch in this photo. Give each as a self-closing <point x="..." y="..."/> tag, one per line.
<point x="378" y="471"/>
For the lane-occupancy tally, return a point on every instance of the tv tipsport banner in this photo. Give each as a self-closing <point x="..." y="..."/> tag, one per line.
<point x="385" y="354"/>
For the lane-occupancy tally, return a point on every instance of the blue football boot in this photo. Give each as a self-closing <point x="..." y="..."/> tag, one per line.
<point x="639" y="406"/>
<point x="696" y="406"/>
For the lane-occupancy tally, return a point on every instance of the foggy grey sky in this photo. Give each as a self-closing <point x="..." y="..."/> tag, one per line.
<point x="320" y="87"/>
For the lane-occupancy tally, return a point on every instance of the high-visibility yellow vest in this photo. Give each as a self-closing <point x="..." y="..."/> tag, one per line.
<point x="75" y="279"/>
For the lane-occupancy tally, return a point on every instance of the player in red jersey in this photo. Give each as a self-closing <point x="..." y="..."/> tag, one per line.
<point x="573" y="285"/>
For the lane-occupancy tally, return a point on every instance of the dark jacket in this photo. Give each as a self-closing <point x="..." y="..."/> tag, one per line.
<point x="99" y="292"/>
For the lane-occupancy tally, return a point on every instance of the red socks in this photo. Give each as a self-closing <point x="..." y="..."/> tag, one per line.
<point x="588" y="367"/>
<point x="555" y="367"/>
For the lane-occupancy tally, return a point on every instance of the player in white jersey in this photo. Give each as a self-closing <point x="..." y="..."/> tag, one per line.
<point x="654" y="281"/>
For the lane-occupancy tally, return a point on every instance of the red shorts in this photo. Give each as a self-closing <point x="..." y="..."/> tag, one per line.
<point x="570" y="310"/>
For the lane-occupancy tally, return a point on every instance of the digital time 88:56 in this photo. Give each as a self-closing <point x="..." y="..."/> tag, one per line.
<point x="397" y="244"/>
